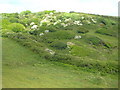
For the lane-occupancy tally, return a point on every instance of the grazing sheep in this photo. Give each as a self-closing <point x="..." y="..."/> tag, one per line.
<point x="32" y="23"/>
<point x="77" y="37"/>
<point x="34" y="27"/>
<point x="70" y="43"/>
<point x="93" y="21"/>
<point x="50" y="51"/>
<point x="82" y="17"/>
<point x="46" y="31"/>
<point x="41" y="34"/>
<point x="51" y="13"/>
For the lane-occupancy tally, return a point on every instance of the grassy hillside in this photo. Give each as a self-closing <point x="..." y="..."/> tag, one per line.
<point x="23" y="68"/>
<point x="85" y="41"/>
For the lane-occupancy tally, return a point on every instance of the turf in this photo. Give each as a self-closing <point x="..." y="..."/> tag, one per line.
<point x="24" y="69"/>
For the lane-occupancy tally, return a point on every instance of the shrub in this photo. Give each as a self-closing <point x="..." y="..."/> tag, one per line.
<point x="73" y="16"/>
<point x="97" y="65"/>
<point x="24" y="21"/>
<point x="50" y="28"/>
<point x="82" y="30"/>
<point x="25" y="12"/>
<point x="104" y="31"/>
<point x="4" y="31"/>
<point x="94" y="40"/>
<point x="35" y="20"/>
<point x="59" y="45"/>
<point x="79" y="51"/>
<point x="48" y="12"/>
<point x="58" y="35"/>
<point x="61" y="58"/>
<point x="103" y="21"/>
<point x="34" y="32"/>
<point x="108" y="45"/>
<point x="13" y="20"/>
<point x="5" y="23"/>
<point x="113" y="23"/>
<point x="49" y="40"/>
<point x="16" y="27"/>
<point x="63" y="35"/>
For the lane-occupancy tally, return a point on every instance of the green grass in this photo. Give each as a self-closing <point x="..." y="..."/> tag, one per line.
<point x="24" y="69"/>
<point x="91" y="62"/>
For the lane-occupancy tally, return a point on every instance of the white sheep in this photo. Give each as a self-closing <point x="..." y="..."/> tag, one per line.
<point x="46" y="31"/>
<point x="82" y="17"/>
<point x="41" y="34"/>
<point x="70" y="43"/>
<point x="32" y="23"/>
<point x="34" y="27"/>
<point x="50" y="51"/>
<point x="93" y="21"/>
<point x="63" y="24"/>
<point x="80" y="24"/>
<point x="55" y="23"/>
<point x="66" y="20"/>
<point x="51" y="13"/>
<point x="78" y="37"/>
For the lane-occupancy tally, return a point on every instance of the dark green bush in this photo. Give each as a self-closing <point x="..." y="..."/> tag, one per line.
<point x="113" y="23"/>
<point x="49" y="40"/>
<point x="108" y="32"/>
<point x="82" y="30"/>
<point x="110" y="67"/>
<point x="107" y="44"/>
<point x="59" y="45"/>
<point x="58" y="35"/>
<point x="24" y="21"/>
<point x="63" y="35"/>
<point x="103" y="21"/>
<point x="94" y="40"/>
<point x="34" y="32"/>
<point x="35" y="20"/>
<point x="61" y="58"/>
<point x="101" y="66"/>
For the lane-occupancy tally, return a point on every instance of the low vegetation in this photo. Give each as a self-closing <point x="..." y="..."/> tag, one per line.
<point x="85" y="41"/>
